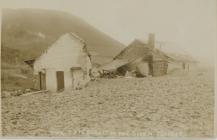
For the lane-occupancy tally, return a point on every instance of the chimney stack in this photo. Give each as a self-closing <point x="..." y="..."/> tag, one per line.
<point x="151" y="40"/>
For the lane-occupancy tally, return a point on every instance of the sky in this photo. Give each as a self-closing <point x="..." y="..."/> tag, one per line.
<point x="191" y="24"/>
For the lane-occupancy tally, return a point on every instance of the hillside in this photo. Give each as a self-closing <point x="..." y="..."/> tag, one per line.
<point x="32" y="30"/>
<point x="26" y="33"/>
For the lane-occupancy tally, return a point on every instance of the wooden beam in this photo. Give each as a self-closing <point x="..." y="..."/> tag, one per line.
<point x="35" y="92"/>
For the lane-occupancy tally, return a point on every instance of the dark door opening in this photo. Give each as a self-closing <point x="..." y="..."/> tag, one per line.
<point x="60" y="80"/>
<point x="42" y="80"/>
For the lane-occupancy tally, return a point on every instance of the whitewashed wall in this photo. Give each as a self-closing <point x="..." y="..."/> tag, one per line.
<point x="51" y="81"/>
<point x="64" y="54"/>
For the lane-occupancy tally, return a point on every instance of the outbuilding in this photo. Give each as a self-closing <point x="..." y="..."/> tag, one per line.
<point x="150" y="58"/>
<point x="65" y="65"/>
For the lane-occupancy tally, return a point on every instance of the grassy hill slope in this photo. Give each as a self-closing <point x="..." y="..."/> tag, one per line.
<point x="26" y="33"/>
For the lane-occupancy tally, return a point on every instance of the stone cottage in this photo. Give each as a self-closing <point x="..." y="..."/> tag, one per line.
<point x="65" y="65"/>
<point x="144" y="59"/>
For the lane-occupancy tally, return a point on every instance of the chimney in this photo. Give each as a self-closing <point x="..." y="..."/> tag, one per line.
<point x="151" y="40"/>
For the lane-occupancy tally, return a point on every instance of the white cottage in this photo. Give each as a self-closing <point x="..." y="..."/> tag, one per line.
<point x="65" y="65"/>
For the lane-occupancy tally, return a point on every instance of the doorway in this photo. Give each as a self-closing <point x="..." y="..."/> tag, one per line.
<point x="60" y="80"/>
<point x="42" y="80"/>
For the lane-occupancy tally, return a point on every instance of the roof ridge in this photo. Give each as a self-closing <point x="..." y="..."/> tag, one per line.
<point x="77" y="37"/>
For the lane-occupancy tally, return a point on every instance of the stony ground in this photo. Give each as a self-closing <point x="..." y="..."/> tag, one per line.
<point x="180" y="104"/>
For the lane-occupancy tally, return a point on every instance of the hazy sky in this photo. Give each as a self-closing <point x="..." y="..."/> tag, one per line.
<point x="189" y="23"/>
